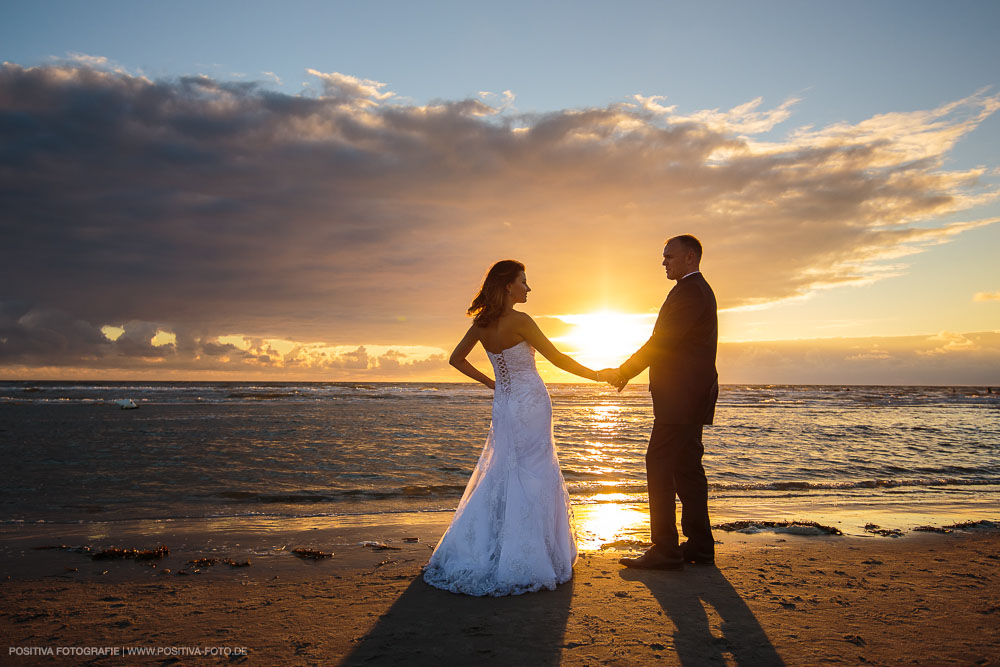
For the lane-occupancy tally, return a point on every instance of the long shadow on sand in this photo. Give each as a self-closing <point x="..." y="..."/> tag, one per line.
<point x="427" y="626"/>
<point x="684" y="597"/>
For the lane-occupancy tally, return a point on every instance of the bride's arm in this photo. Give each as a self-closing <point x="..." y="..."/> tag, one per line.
<point x="537" y="339"/>
<point x="459" y="361"/>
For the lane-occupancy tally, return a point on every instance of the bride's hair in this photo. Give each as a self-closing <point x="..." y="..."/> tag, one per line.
<point x="487" y="307"/>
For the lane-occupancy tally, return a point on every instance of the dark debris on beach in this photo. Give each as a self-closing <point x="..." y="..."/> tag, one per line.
<point x="932" y="529"/>
<point x="983" y="525"/>
<point x="208" y="562"/>
<point x="146" y="555"/>
<point x="379" y="546"/>
<point x="64" y="547"/>
<point x="732" y="526"/>
<point x="876" y="529"/>
<point x="138" y="554"/>
<point x="113" y="553"/>
<point x="315" y="554"/>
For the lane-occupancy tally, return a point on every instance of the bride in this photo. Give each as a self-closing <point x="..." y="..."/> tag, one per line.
<point x="512" y="532"/>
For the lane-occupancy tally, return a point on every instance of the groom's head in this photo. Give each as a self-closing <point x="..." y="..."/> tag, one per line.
<point x="681" y="256"/>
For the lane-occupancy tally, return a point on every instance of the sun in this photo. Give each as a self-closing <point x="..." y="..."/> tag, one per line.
<point x="605" y="338"/>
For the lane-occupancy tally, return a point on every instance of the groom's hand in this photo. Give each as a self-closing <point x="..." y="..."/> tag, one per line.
<point x="612" y="376"/>
<point x="617" y="379"/>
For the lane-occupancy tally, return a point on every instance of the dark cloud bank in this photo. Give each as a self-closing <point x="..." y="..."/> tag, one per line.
<point x="205" y="209"/>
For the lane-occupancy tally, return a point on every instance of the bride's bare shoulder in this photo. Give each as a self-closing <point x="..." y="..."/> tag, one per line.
<point x="525" y="320"/>
<point x="478" y="332"/>
<point x="521" y="316"/>
<point x="515" y="321"/>
<point x="475" y="334"/>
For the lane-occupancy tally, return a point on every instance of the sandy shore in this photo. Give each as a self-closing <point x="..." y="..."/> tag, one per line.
<point x="773" y="599"/>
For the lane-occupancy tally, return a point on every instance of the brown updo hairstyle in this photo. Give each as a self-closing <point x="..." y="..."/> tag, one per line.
<point x="487" y="307"/>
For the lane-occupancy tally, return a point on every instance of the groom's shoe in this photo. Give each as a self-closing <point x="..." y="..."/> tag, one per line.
<point x="692" y="555"/>
<point x="654" y="560"/>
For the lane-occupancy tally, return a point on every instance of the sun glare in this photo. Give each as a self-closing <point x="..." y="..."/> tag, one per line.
<point x="605" y="338"/>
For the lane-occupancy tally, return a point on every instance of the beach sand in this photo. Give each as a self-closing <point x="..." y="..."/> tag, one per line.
<point x="772" y="599"/>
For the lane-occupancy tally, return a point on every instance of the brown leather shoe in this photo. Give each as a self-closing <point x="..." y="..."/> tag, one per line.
<point x="697" y="557"/>
<point x="654" y="560"/>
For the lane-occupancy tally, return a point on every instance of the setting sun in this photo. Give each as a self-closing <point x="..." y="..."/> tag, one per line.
<point x="605" y="338"/>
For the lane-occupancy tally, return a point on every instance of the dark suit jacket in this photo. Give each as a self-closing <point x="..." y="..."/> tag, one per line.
<point x="681" y="355"/>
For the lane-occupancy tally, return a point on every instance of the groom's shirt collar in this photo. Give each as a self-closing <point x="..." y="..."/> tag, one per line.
<point x="689" y="274"/>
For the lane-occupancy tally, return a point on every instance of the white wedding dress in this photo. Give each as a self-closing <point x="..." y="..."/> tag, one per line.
<point x="512" y="532"/>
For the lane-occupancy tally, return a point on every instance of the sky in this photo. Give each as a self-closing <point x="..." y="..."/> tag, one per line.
<point x="314" y="191"/>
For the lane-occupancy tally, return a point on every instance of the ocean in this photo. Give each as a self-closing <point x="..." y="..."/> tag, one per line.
<point x="310" y="450"/>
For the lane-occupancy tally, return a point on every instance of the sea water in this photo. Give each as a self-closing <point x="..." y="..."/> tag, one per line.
<point x="306" y="450"/>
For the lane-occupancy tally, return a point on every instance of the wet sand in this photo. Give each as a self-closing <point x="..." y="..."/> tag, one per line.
<point x="924" y="598"/>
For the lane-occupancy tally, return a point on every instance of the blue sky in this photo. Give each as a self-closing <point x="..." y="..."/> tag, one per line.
<point x="855" y="64"/>
<point x="851" y="57"/>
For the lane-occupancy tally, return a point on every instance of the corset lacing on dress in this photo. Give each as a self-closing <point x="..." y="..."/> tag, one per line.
<point x="503" y="373"/>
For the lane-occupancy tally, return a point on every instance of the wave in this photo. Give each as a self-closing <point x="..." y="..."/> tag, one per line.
<point x="229" y="393"/>
<point x="853" y="484"/>
<point x="584" y="488"/>
<point x="742" y="397"/>
<point x="212" y="516"/>
<point x="263" y="396"/>
<point x="306" y="497"/>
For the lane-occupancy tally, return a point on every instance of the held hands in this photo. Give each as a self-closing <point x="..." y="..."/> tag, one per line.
<point x="613" y="377"/>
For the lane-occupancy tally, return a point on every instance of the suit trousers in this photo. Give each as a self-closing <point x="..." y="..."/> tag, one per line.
<point x="673" y="469"/>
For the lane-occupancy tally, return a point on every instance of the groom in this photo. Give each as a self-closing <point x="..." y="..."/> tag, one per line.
<point x="684" y="385"/>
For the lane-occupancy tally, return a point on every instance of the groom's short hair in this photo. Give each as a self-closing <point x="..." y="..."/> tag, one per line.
<point x="689" y="242"/>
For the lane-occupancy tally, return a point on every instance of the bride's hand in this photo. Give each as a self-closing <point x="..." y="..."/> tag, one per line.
<point x="610" y="375"/>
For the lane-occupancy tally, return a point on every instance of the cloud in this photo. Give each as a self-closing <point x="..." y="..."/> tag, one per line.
<point x="949" y="343"/>
<point x="742" y="119"/>
<point x="103" y="63"/>
<point x="940" y="359"/>
<point x="344" y="88"/>
<point x="271" y="76"/>
<point x="498" y="103"/>
<point x="38" y="338"/>
<point x="986" y="296"/>
<point x="87" y="60"/>
<point x="903" y="136"/>
<point x="348" y="216"/>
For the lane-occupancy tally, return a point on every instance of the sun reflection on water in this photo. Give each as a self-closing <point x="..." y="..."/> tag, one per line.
<point x="605" y="417"/>
<point x="608" y="521"/>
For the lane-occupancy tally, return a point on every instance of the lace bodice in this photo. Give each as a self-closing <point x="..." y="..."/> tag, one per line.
<point x="512" y="532"/>
<point x="515" y="361"/>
